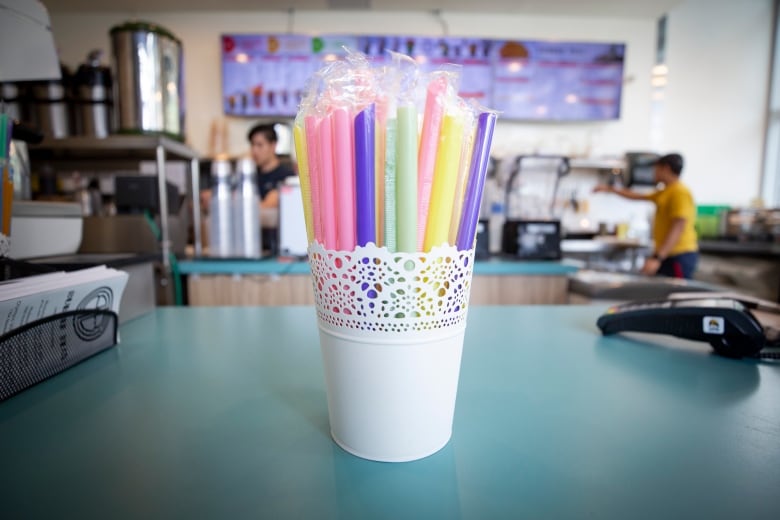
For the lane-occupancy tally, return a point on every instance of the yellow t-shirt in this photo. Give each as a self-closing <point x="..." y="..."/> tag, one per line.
<point x="673" y="202"/>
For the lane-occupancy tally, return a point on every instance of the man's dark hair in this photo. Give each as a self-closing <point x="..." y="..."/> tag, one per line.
<point x="267" y="129"/>
<point x="674" y="161"/>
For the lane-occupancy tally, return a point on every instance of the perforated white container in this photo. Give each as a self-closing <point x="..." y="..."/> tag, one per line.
<point x="391" y="334"/>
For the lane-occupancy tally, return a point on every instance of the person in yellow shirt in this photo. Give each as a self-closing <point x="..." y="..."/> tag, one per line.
<point x="676" y="246"/>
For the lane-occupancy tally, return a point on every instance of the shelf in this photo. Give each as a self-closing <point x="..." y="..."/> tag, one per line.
<point x="112" y="147"/>
<point x="768" y="249"/>
<point x="121" y="151"/>
<point x="597" y="163"/>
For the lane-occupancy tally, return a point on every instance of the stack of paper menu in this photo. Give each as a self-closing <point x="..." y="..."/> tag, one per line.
<point x="24" y="300"/>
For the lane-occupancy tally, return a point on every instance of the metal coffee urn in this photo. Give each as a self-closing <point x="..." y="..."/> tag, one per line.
<point x="93" y="94"/>
<point x="53" y="102"/>
<point x="147" y="63"/>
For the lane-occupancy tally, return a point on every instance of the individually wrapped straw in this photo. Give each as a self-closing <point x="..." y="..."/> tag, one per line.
<point x="483" y="137"/>
<point x="463" y="169"/>
<point x="327" y="183"/>
<point x="406" y="156"/>
<point x="406" y="179"/>
<point x="365" y="194"/>
<point x="311" y="129"/>
<point x="390" y="184"/>
<point x="301" y="154"/>
<point x="442" y="197"/>
<point x="400" y="75"/>
<point x="344" y="177"/>
<point x="429" y="139"/>
<point x="380" y="124"/>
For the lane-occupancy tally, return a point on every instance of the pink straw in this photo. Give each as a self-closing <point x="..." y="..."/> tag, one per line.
<point x="327" y="184"/>
<point x="434" y="110"/>
<point x="344" y="177"/>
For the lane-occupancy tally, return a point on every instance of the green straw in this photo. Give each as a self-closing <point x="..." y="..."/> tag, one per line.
<point x="406" y="179"/>
<point x="390" y="213"/>
<point x="5" y="136"/>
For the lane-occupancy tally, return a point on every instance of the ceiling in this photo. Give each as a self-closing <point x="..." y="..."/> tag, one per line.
<point x="599" y="8"/>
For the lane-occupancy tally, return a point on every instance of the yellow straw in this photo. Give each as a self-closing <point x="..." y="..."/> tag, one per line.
<point x="303" y="173"/>
<point x="445" y="176"/>
<point x="463" y="178"/>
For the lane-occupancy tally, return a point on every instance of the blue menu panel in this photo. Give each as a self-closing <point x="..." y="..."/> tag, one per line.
<point x="267" y="74"/>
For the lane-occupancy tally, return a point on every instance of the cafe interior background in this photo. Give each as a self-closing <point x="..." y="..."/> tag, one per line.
<point x="697" y="79"/>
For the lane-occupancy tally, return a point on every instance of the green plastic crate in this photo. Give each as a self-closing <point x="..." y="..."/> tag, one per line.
<point x="708" y="220"/>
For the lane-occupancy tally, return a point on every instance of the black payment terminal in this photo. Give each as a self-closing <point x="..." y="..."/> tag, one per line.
<point x="725" y="323"/>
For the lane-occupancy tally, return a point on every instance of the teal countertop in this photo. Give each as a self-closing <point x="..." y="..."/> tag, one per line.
<point x="221" y="413"/>
<point x="273" y="266"/>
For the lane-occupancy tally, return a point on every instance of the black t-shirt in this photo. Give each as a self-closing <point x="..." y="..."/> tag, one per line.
<point x="271" y="180"/>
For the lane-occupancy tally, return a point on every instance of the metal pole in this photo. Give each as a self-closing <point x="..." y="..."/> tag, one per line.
<point x="162" y="186"/>
<point x="196" y="216"/>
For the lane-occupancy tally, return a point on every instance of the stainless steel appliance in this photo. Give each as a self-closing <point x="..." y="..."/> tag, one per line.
<point x="52" y="101"/>
<point x="640" y="169"/>
<point x="93" y="92"/>
<point x="147" y="62"/>
<point x="9" y="93"/>
<point x="532" y="229"/>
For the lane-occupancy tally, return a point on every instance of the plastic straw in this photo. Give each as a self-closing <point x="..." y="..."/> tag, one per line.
<point x="379" y="169"/>
<point x="406" y="179"/>
<point x="480" y="157"/>
<point x="301" y="154"/>
<point x="437" y="229"/>
<point x="432" y="119"/>
<point x="315" y="175"/>
<point x="327" y="184"/>
<point x="5" y="136"/>
<point x="390" y="186"/>
<point x="365" y="181"/>
<point x="467" y="147"/>
<point x="344" y="178"/>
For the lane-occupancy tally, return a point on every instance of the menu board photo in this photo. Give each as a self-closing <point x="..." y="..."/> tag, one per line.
<point x="267" y="74"/>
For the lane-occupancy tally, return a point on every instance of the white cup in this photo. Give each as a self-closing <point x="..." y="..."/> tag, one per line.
<point x="391" y="398"/>
<point x="391" y="334"/>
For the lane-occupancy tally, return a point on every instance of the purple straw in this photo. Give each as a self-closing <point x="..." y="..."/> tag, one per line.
<point x="472" y="199"/>
<point x="364" y="176"/>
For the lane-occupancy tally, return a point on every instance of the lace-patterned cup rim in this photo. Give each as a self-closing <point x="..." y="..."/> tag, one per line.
<point x="372" y="290"/>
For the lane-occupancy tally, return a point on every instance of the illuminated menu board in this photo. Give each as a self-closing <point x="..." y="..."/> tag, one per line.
<point x="266" y="74"/>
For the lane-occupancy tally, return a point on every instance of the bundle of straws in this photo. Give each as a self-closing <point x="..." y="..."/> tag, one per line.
<point x="373" y="171"/>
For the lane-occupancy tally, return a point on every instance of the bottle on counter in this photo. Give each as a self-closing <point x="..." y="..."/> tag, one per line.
<point x="246" y="218"/>
<point x="221" y="210"/>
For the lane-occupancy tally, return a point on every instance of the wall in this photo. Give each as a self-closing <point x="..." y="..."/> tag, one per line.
<point x="76" y="34"/>
<point x="718" y="55"/>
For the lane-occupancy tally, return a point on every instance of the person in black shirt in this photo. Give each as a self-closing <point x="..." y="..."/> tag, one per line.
<point x="271" y="173"/>
<point x="270" y="170"/>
